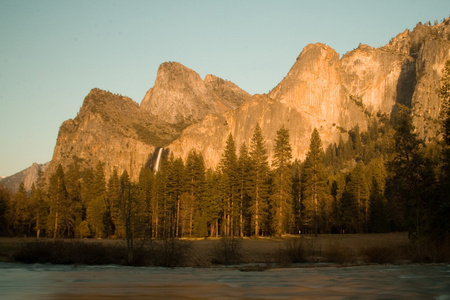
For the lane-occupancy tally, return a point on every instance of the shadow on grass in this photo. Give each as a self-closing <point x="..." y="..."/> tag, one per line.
<point x="165" y="253"/>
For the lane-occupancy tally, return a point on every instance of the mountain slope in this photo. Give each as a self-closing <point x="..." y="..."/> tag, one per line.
<point x="112" y="129"/>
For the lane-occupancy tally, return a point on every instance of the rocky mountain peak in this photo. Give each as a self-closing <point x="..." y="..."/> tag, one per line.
<point x="229" y="93"/>
<point x="312" y="85"/>
<point x="181" y="96"/>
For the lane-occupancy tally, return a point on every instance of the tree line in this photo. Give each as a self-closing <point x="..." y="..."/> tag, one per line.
<point x="380" y="180"/>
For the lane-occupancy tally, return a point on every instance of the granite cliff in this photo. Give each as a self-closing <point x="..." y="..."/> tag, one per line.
<point x="112" y="129"/>
<point x="334" y="94"/>
<point x="180" y="96"/>
<point x="322" y="90"/>
<point x="121" y="134"/>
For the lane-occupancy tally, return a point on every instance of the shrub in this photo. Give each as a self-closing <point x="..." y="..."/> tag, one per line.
<point x="295" y="249"/>
<point x="339" y="254"/>
<point x="70" y="252"/>
<point x="169" y="252"/>
<point x="378" y="255"/>
<point x="227" y="251"/>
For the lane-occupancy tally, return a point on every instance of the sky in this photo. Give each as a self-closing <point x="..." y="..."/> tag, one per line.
<point x="52" y="53"/>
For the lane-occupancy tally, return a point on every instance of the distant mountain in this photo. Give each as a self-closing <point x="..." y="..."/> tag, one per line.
<point x="322" y="90"/>
<point x="28" y="177"/>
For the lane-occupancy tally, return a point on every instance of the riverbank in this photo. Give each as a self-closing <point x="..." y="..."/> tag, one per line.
<point x="348" y="249"/>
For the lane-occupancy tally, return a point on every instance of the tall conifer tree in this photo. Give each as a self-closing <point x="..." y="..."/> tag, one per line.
<point x="259" y="179"/>
<point x="96" y="211"/>
<point x="58" y="202"/>
<point x="358" y="188"/>
<point x="176" y="187"/>
<point x="195" y="181"/>
<point x="113" y="202"/>
<point x="146" y="179"/>
<point x="282" y="182"/>
<point x="244" y="180"/>
<point x="411" y="178"/>
<point x="228" y="167"/>
<point x="314" y="182"/>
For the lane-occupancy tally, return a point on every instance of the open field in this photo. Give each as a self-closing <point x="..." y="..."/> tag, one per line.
<point x="341" y="249"/>
<point x="348" y="249"/>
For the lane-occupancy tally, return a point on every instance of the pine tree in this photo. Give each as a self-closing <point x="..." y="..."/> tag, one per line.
<point x="113" y="200"/>
<point x="161" y="200"/>
<point x="38" y="206"/>
<point x="358" y="189"/>
<point x="411" y="179"/>
<point x="146" y="181"/>
<point x="296" y="195"/>
<point x="73" y="183"/>
<point x="228" y="166"/>
<point x="244" y="181"/>
<point x="259" y="179"/>
<point x="378" y="205"/>
<point x="195" y="181"/>
<point x="314" y="182"/>
<point x="95" y="216"/>
<point x="87" y="191"/>
<point x="336" y="190"/>
<point x="97" y="210"/>
<point x="212" y="208"/>
<point x="19" y="214"/>
<point x="175" y="188"/>
<point x="59" y="210"/>
<point x="378" y="217"/>
<point x="128" y="209"/>
<point x="282" y="183"/>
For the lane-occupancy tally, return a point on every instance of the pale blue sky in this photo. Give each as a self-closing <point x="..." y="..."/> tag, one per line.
<point x="53" y="52"/>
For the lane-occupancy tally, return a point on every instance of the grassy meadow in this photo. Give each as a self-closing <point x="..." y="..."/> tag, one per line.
<point x="261" y="253"/>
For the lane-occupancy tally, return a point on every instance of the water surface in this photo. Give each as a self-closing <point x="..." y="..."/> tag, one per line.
<point x="18" y="281"/>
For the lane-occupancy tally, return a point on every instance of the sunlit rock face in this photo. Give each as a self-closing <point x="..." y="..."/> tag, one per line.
<point x="309" y="97"/>
<point x="209" y="136"/>
<point x="112" y="129"/>
<point x="334" y="94"/>
<point x="322" y="90"/>
<point x="373" y="78"/>
<point x="181" y="96"/>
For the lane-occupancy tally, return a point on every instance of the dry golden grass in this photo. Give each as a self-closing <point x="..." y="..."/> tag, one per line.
<point x="340" y="249"/>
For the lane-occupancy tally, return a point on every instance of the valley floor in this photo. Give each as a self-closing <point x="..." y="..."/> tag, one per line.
<point x="340" y="249"/>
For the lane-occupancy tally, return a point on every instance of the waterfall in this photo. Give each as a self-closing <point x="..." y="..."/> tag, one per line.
<point x="158" y="159"/>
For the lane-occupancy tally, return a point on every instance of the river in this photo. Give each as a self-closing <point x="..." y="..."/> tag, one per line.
<point x="19" y="281"/>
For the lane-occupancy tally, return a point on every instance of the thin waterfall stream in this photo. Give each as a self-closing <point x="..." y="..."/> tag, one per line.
<point x="158" y="159"/>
